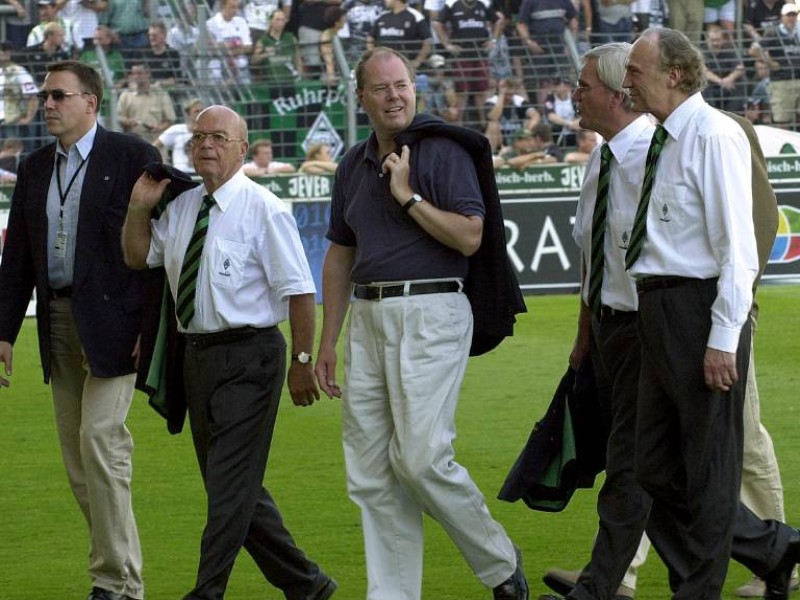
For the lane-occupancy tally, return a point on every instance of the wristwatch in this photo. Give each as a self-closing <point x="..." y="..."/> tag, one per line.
<point x="303" y="358"/>
<point x="411" y="202"/>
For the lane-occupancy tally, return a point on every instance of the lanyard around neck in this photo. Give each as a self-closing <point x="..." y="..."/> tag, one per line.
<point x="62" y="195"/>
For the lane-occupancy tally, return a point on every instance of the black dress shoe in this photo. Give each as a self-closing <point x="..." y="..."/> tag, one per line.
<point x="777" y="586"/>
<point x="516" y="586"/>
<point x="101" y="594"/>
<point x="326" y="591"/>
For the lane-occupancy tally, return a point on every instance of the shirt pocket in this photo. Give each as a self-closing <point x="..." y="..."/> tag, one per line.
<point x="668" y="206"/>
<point x="228" y="262"/>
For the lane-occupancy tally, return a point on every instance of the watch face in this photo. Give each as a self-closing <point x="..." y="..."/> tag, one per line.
<point x="304" y="358"/>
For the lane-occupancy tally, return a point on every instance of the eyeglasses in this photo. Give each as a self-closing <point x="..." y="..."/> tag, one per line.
<point x="218" y="139"/>
<point x="582" y="89"/>
<point x="58" y="95"/>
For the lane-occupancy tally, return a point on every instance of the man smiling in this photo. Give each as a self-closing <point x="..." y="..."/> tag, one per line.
<point x="407" y="212"/>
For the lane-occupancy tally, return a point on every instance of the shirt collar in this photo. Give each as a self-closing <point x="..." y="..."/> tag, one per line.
<point x="621" y="143"/>
<point x="225" y="194"/>
<point x="679" y="117"/>
<point x="83" y="145"/>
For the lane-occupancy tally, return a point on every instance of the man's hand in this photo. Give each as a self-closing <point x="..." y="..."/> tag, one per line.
<point x="146" y="193"/>
<point x="720" y="369"/>
<point x="326" y="373"/>
<point x="6" y="357"/>
<point x="398" y="169"/>
<point x="302" y="384"/>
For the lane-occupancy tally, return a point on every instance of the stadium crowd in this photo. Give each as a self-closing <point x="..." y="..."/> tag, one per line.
<point x="498" y="66"/>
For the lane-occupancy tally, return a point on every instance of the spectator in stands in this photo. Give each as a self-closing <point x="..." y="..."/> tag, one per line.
<point x="585" y="142"/>
<point x="614" y="22"/>
<point x="19" y="23"/>
<point x="781" y="52"/>
<point x="528" y="149"/>
<point x="278" y="55"/>
<point x="105" y="39"/>
<point x="334" y="21"/>
<point x="463" y="28"/>
<point x="128" y="19"/>
<point x="261" y="163"/>
<point x="404" y="29"/>
<point x="436" y="92"/>
<point x="540" y="25"/>
<point x="585" y="22"/>
<point x="760" y="15"/>
<point x="257" y="13"/>
<point x="510" y="9"/>
<point x="687" y="16"/>
<point x="10" y="154"/>
<point x="760" y="90"/>
<point x="724" y="72"/>
<point x="507" y="112"/>
<point x="184" y="33"/>
<point x="230" y="34"/>
<point x="47" y="15"/>
<point x="361" y="16"/>
<point x="559" y="110"/>
<point x="173" y="142"/>
<point x="164" y="62"/>
<point x="543" y="142"/>
<point x="183" y="37"/>
<point x="756" y="112"/>
<point x="721" y="13"/>
<point x="144" y="110"/>
<point x="649" y="13"/>
<point x="49" y="50"/>
<point x="19" y="102"/>
<point x="311" y="15"/>
<point x="85" y="16"/>
<point x="319" y="160"/>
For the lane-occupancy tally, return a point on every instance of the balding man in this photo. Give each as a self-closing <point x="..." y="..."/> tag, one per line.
<point x="236" y="269"/>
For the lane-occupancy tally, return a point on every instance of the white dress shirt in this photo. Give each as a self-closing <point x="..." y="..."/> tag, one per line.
<point x="629" y="150"/>
<point x="252" y="258"/>
<point x="700" y="217"/>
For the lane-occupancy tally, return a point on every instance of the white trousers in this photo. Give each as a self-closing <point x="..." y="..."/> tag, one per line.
<point x="404" y="361"/>
<point x="96" y="447"/>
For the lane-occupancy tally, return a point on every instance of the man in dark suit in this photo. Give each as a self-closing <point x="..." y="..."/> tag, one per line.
<point x="64" y="241"/>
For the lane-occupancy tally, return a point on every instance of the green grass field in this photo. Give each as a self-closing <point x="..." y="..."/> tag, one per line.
<point x="43" y="545"/>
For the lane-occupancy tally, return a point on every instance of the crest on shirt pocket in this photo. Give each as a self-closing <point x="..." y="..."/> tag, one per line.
<point x="624" y="239"/>
<point x="228" y="263"/>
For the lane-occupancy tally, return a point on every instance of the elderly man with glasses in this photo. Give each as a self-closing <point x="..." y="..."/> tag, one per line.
<point x="236" y="268"/>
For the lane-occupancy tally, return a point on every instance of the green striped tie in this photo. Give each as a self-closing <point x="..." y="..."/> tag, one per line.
<point x="640" y="220"/>
<point x="187" y="284"/>
<point x="599" y="230"/>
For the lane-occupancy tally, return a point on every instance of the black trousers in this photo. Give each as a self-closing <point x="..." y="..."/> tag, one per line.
<point x="622" y="504"/>
<point x="689" y="444"/>
<point x="233" y="390"/>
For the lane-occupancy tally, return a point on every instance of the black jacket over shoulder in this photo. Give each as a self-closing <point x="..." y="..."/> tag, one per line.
<point x="491" y="285"/>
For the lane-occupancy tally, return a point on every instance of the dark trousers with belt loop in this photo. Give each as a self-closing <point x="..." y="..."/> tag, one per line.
<point x="688" y="438"/>
<point x="233" y="386"/>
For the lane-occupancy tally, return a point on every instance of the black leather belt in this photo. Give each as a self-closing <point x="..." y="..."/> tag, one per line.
<point x="606" y="312"/>
<point x="379" y="292"/>
<point x="65" y="292"/>
<point x="648" y="284"/>
<point x="201" y="341"/>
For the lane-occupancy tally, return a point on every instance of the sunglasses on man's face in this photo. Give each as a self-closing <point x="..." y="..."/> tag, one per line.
<point x="58" y="95"/>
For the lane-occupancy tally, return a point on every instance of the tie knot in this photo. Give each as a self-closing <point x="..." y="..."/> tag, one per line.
<point x="605" y="153"/>
<point x="208" y="202"/>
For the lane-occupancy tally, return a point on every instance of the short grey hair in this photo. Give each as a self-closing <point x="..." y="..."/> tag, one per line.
<point x="611" y="62"/>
